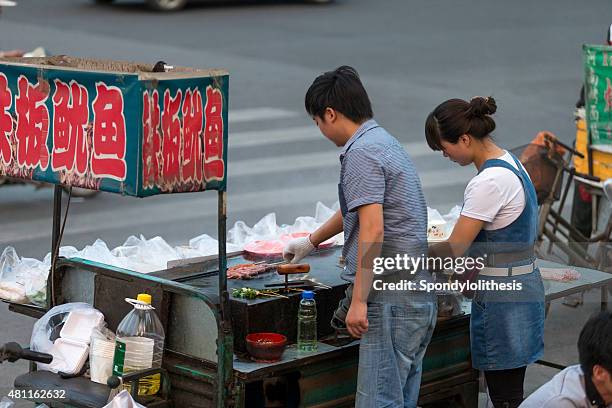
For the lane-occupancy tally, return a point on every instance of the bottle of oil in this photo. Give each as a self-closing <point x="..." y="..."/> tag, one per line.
<point x="307" y="323"/>
<point x="139" y="344"/>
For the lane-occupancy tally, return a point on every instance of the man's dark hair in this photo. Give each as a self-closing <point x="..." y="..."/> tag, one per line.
<point x="595" y="343"/>
<point x="341" y="90"/>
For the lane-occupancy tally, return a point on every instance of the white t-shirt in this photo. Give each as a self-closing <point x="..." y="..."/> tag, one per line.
<point x="565" y="390"/>
<point x="495" y="196"/>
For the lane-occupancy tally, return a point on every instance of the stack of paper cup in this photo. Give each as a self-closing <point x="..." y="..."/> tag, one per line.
<point x="101" y="360"/>
<point x="138" y="353"/>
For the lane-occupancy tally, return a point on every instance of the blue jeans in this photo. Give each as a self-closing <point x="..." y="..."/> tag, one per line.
<point x="391" y="354"/>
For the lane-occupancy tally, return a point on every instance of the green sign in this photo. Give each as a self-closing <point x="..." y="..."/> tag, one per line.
<point x="598" y="94"/>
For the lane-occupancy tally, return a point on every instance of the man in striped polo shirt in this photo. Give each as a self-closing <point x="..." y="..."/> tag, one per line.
<point x="383" y="213"/>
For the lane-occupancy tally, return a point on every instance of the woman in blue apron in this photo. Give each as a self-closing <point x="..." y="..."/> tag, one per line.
<point x="497" y="228"/>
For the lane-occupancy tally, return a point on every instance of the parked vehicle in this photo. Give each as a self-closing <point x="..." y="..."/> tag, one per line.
<point x="174" y="5"/>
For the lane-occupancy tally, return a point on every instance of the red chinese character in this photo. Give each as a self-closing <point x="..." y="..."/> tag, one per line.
<point x="151" y="139"/>
<point x="192" y="142"/>
<point x="171" y="128"/>
<point x="6" y="120"/>
<point x="214" y="168"/>
<point x="109" y="141"/>
<point x="32" y="124"/>
<point x="71" y="113"/>
<point x="608" y="96"/>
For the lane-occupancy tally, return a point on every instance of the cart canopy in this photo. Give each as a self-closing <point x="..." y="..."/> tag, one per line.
<point x="113" y="126"/>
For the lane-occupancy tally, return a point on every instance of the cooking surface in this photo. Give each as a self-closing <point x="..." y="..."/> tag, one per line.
<point x="324" y="269"/>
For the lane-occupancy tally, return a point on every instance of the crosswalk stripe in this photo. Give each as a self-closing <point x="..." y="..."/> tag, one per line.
<point x="303" y="133"/>
<point x="264" y="137"/>
<point x="259" y="114"/>
<point x="307" y="161"/>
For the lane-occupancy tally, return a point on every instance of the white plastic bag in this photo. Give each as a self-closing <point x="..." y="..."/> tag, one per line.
<point x="46" y="330"/>
<point x="13" y="292"/>
<point x="436" y="225"/>
<point x="66" y="252"/>
<point x="8" y="262"/>
<point x="123" y="400"/>
<point x="204" y="245"/>
<point x="99" y="252"/>
<point x="451" y="217"/>
<point x="33" y="273"/>
<point x="266" y="228"/>
<point x="12" y="278"/>
<point x="145" y="255"/>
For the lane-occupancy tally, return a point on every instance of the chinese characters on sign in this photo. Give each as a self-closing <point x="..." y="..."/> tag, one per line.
<point x="598" y="93"/>
<point x="182" y="139"/>
<point x="80" y="133"/>
<point x="81" y="151"/>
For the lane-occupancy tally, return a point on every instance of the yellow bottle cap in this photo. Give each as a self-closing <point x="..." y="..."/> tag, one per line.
<point x="144" y="297"/>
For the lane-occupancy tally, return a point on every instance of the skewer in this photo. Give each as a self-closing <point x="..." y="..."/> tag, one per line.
<point x="264" y="293"/>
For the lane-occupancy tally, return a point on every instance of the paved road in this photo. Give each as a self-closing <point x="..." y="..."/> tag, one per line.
<point x="411" y="55"/>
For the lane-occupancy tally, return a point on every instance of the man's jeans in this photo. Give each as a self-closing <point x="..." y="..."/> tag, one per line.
<point x="391" y="353"/>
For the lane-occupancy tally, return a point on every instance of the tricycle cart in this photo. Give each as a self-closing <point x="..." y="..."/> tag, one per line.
<point x="141" y="133"/>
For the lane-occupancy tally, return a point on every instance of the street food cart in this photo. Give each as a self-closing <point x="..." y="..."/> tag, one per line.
<point x="141" y="133"/>
<point x="121" y="128"/>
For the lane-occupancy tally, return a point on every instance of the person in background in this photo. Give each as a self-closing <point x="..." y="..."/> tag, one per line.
<point x="497" y="226"/>
<point x="585" y="385"/>
<point x="381" y="205"/>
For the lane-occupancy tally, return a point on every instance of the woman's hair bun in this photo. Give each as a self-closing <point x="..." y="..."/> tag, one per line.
<point x="481" y="106"/>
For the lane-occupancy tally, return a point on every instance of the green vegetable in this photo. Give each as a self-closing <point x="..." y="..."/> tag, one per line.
<point x="245" y="293"/>
<point x="250" y="293"/>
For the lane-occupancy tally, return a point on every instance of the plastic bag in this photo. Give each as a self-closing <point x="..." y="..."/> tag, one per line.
<point x="205" y="245"/>
<point x="145" y="255"/>
<point x="13" y="292"/>
<point x="436" y="225"/>
<point x="99" y="252"/>
<point x="6" y="403"/>
<point x="8" y="262"/>
<point x="33" y="273"/>
<point x="47" y="329"/>
<point x="266" y="228"/>
<point x="123" y="400"/>
<point x="66" y="252"/>
<point x="451" y="217"/>
<point x="12" y="277"/>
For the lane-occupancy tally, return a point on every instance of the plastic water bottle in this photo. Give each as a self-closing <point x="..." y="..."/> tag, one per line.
<point x="139" y="344"/>
<point x="307" y="323"/>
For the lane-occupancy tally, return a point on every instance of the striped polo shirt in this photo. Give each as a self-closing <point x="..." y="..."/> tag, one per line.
<point x="375" y="169"/>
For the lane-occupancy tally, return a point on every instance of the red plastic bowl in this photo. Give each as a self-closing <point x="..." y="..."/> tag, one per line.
<point x="266" y="347"/>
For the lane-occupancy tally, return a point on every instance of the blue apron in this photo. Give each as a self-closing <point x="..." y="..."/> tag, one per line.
<point x="507" y="328"/>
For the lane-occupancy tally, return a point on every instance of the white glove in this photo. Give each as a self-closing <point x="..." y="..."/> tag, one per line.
<point x="297" y="249"/>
